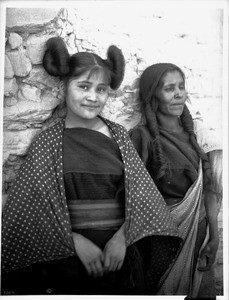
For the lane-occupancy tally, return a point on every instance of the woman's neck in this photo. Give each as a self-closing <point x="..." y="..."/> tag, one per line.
<point x="170" y="123"/>
<point x="96" y="124"/>
<point x="81" y="122"/>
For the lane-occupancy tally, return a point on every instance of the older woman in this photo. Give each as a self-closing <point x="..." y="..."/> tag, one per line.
<point x="177" y="154"/>
<point x="83" y="206"/>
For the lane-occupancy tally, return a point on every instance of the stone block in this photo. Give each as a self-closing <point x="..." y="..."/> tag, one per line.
<point x="10" y="101"/>
<point x="36" y="47"/>
<point x="30" y="93"/>
<point x="15" y="40"/>
<point x="17" y="142"/>
<point x="39" y="77"/>
<point x="20" y="63"/>
<point x="29" y="19"/>
<point x="49" y="99"/>
<point x="16" y="126"/>
<point x="72" y="47"/>
<point x="9" y="72"/>
<point x="10" y="86"/>
<point x="31" y="112"/>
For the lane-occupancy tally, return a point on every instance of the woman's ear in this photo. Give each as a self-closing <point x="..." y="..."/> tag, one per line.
<point x="62" y="91"/>
<point x="62" y="88"/>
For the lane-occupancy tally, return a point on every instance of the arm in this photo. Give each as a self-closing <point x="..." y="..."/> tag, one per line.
<point x="212" y="213"/>
<point x="212" y="202"/>
<point x="209" y="142"/>
<point x="210" y="250"/>
<point x="115" y="251"/>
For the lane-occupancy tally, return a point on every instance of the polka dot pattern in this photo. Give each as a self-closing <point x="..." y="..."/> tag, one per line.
<point x="36" y="224"/>
<point x="146" y="211"/>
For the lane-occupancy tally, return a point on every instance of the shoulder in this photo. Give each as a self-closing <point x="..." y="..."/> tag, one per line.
<point x="142" y="141"/>
<point x="207" y="137"/>
<point x="115" y="126"/>
<point x="49" y="135"/>
<point x="139" y="133"/>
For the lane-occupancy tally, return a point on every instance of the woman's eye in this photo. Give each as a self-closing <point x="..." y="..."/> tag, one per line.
<point x="84" y="87"/>
<point x="102" y="90"/>
<point x="169" y="89"/>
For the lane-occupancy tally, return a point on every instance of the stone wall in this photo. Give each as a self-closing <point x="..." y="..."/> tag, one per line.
<point x="32" y="100"/>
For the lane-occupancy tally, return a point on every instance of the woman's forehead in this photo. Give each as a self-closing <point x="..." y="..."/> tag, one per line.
<point x="172" y="76"/>
<point x="99" y="76"/>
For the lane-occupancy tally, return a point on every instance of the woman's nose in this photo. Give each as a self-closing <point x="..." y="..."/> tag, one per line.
<point x="92" y="95"/>
<point x="178" y="92"/>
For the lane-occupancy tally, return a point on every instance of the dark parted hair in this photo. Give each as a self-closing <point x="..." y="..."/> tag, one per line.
<point x="58" y="62"/>
<point x="150" y="81"/>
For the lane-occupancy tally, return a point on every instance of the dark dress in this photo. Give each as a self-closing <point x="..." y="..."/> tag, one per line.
<point x="94" y="180"/>
<point x="94" y="186"/>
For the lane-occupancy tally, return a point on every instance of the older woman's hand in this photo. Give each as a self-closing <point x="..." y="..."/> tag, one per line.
<point x="90" y="255"/>
<point x="114" y="252"/>
<point x="208" y="255"/>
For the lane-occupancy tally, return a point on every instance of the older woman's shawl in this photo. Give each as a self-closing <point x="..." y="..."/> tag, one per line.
<point x="186" y="214"/>
<point x="36" y="225"/>
<point x="179" y="279"/>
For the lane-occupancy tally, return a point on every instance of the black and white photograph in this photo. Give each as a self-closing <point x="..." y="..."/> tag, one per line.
<point x="114" y="149"/>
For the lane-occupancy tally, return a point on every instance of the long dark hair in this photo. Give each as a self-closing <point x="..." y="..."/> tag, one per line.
<point x="150" y="81"/>
<point x="58" y="62"/>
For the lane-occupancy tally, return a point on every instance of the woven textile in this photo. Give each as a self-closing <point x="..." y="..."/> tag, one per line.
<point x="186" y="213"/>
<point x="36" y="224"/>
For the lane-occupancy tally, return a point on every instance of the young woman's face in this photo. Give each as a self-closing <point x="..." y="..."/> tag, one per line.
<point x="172" y="95"/>
<point x="86" y="97"/>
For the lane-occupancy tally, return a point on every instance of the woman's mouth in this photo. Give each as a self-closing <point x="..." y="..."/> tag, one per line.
<point x="91" y="106"/>
<point x="178" y="104"/>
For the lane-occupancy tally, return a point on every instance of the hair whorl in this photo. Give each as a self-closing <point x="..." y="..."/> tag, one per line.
<point x="116" y="63"/>
<point x="56" y="57"/>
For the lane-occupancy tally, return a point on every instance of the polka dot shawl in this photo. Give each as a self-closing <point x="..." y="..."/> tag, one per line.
<point x="35" y="222"/>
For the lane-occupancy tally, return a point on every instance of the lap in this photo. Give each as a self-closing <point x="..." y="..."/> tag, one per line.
<point x="145" y="261"/>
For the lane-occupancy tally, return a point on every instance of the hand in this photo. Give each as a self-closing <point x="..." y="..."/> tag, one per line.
<point x="208" y="255"/>
<point x="90" y="255"/>
<point x="114" y="253"/>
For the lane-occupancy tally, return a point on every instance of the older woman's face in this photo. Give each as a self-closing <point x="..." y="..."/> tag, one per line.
<point x="172" y="95"/>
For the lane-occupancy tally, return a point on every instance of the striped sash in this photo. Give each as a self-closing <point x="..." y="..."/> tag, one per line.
<point x="96" y="214"/>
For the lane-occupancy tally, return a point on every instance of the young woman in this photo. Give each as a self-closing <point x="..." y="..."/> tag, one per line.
<point x="84" y="216"/>
<point x="177" y="153"/>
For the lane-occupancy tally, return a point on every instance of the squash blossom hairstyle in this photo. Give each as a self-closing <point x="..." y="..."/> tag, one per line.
<point x="58" y="62"/>
<point x="150" y="82"/>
